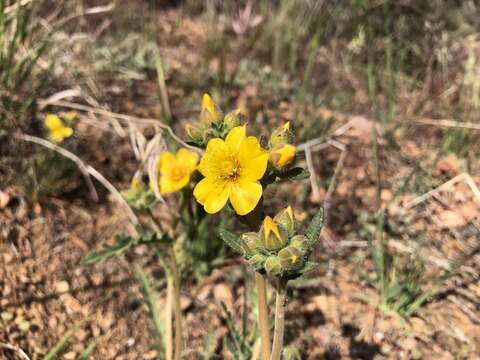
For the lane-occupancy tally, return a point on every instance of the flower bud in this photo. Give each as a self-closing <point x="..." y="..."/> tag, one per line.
<point x="282" y="156"/>
<point x="273" y="266"/>
<point x="291" y="258"/>
<point x="232" y="119"/>
<point x="300" y="242"/>
<point x="251" y="243"/>
<point x="195" y="131"/>
<point x="273" y="237"/>
<point x="282" y="135"/>
<point x="257" y="261"/>
<point x="286" y="220"/>
<point x="210" y="112"/>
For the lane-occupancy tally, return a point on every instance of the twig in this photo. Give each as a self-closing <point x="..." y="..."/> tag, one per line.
<point x="87" y="170"/>
<point x="81" y="166"/>
<point x="126" y="118"/>
<point x="429" y="194"/>
<point x="263" y="315"/>
<point x="332" y="185"/>
<point x="313" y="175"/>
<point x="16" y="349"/>
<point x="279" y="320"/>
<point x="448" y="123"/>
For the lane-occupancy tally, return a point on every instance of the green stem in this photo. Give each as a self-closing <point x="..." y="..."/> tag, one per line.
<point x="263" y="314"/>
<point x="176" y="307"/>
<point x="168" y="317"/>
<point x="279" y="320"/>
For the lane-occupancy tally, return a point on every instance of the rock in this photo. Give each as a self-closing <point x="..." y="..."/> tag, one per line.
<point x="62" y="286"/>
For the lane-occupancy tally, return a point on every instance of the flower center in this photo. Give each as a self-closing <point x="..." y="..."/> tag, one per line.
<point x="177" y="173"/>
<point x="231" y="169"/>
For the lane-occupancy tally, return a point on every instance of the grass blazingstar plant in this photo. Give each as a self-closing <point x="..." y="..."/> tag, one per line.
<point x="237" y="169"/>
<point x="232" y="169"/>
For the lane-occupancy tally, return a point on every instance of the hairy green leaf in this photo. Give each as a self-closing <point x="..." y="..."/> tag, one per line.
<point x="296" y="173"/>
<point x="232" y="240"/>
<point x="315" y="227"/>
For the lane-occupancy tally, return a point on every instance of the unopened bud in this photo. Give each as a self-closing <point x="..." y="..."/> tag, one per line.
<point x="232" y="119"/>
<point x="273" y="237"/>
<point x="291" y="258"/>
<point x="300" y="242"/>
<point x="273" y="266"/>
<point x="282" y="135"/>
<point x="210" y="112"/>
<point x="251" y="243"/>
<point x="282" y="156"/>
<point x="286" y="220"/>
<point x="257" y="261"/>
<point x="195" y="131"/>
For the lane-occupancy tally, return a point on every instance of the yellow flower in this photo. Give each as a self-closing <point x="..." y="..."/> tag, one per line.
<point x="232" y="170"/>
<point x="209" y="112"/>
<point x="283" y="155"/>
<point x="56" y="129"/>
<point x="176" y="169"/>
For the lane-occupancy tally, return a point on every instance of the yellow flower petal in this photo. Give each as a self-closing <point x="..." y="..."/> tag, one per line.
<point x="66" y="132"/>
<point x="217" y="199"/>
<point x="244" y="196"/>
<point x="203" y="188"/>
<point x="209" y="163"/>
<point x="167" y="185"/>
<point x="213" y="195"/>
<point x="235" y="137"/>
<point x="187" y="158"/>
<point x="209" y="112"/>
<point x="166" y="162"/>
<point x="53" y="122"/>
<point x="253" y="159"/>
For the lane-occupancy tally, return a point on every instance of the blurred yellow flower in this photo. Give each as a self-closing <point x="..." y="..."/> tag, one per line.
<point x="209" y="112"/>
<point x="232" y="170"/>
<point x="175" y="170"/>
<point x="283" y="155"/>
<point x="56" y="129"/>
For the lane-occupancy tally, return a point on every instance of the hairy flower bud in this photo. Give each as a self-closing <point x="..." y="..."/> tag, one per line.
<point x="286" y="220"/>
<point x="282" y="156"/>
<point x="282" y="135"/>
<point x="257" y="261"/>
<point x="273" y="266"/>
<point x="232" y="119"/>
<point x="251" y="243"/>
<point x="273" y="237"/>
<point x="291" y="258"/>
<point x="300" y="242"/>
<point x="210" y="112"/>
<point x="196" y="131"/>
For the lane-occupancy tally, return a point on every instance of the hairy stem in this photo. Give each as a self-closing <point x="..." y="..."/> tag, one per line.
<point x="263" y="315"/>
<point x="168" y="317"/>
<point x="176" y="307"/>
<point x="279" y="320"/>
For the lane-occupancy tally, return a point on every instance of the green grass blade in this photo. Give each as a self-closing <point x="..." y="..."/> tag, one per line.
<point x="149" y="298"/>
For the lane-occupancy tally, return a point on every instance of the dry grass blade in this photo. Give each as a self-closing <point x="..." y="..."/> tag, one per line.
<point x="126" y="118"/>
<point x="448" y="123"/>
<point x="15" y="349"/>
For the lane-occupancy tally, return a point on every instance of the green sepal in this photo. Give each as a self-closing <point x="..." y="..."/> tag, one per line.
<point x="308" y="267"/>
<point x="232" y="240"/>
